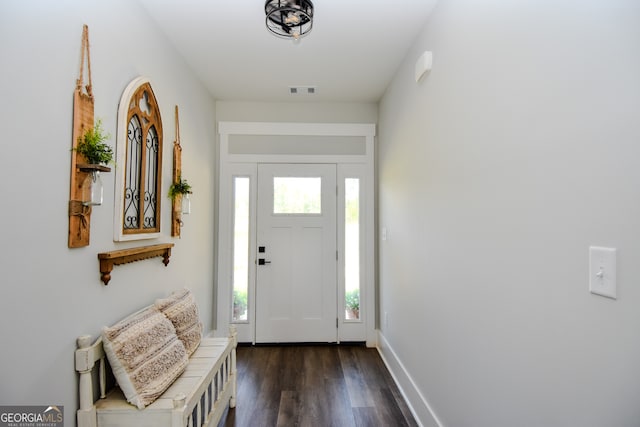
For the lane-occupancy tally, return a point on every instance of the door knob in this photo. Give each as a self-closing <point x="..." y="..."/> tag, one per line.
<point x="262" y="261"/>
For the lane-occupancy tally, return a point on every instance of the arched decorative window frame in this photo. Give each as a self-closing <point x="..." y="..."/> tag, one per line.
<point x="119" y="233"/>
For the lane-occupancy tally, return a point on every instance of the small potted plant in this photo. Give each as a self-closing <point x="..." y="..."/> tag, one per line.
<point x="92" y="145"/>
<point x="180" y="191"/>
<point x="180" y="187"/>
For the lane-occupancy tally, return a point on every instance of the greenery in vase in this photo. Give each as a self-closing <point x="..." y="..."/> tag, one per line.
<point x="92" y="145"/>
<point x="179" y="187"/>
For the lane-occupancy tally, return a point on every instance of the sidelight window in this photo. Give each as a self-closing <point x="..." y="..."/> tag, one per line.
<point x="352" y="248"/>
<point x="241" y="217"/>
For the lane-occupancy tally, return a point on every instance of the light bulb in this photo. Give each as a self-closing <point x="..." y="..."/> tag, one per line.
<point x="292" y="18"/>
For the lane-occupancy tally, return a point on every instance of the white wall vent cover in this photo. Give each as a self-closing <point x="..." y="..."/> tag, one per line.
<point x="302" y="90"/>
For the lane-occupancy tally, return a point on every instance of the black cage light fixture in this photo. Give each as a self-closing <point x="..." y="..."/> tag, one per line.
<point x="289" y="18"/>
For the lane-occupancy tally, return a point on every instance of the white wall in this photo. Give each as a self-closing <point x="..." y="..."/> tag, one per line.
<point x="309" y="112"/>
<point x="497" y="171"/>
<point x="51" y="294"/>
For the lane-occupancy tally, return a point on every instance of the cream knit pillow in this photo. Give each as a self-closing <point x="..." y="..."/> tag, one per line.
<point x="181" y="308"/>
<point x="145" y="354"/>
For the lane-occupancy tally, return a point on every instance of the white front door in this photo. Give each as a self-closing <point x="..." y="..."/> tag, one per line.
<point x="296" y="278"/>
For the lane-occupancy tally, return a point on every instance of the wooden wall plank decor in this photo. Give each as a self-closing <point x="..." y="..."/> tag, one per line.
<point x="176" y="203"/>
<point x="80" y="215"/>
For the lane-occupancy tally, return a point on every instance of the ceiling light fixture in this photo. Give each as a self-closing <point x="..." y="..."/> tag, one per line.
<point x="289" y="18"/>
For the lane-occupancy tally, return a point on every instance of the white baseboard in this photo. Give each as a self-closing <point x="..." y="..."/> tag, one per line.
<point x="418" y="405"/>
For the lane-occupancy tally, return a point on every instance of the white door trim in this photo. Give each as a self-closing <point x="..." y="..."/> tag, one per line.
<point x="246" y="164"/>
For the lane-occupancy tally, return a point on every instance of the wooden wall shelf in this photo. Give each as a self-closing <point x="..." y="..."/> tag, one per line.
<point x="85" y="167"/>
<point x="125" y="256"/>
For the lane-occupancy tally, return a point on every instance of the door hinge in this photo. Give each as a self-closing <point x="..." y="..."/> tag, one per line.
<point x="336" y="255"/>
<point x="336" y="323"/>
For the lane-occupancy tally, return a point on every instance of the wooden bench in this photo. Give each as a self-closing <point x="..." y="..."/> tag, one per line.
<point x="197" y="398"/>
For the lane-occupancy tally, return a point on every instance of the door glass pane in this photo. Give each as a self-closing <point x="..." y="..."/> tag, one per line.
<point x="297" y="195"/>
<point x="352" y="248"/>
<point x="240" y="248"/>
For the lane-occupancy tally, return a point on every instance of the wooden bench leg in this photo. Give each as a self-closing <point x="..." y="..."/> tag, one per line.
<point x="233" y="335"/>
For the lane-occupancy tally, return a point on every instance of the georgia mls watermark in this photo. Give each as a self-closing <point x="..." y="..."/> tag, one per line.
<point x="31" y="416"/>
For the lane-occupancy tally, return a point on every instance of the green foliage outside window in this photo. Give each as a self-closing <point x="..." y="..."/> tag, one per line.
<point x="352" y="304"/>
<point x="239" y="305"/>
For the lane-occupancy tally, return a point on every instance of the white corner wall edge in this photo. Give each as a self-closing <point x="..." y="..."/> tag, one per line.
<point x="420" y="408"/>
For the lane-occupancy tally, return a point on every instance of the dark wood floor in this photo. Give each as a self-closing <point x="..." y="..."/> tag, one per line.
<point x="315" y="386"/>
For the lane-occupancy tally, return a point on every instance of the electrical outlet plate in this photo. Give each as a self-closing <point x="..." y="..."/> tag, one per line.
<point x="602" y="271"/>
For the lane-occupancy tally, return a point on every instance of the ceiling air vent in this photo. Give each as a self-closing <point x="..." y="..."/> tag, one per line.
<point x="302" y="90"/>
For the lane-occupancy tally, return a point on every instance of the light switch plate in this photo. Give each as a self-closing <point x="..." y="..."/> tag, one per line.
<point x="602" y="271"/>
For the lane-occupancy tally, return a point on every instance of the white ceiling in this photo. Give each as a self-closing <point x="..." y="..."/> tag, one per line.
<point x="351" y="54"/>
